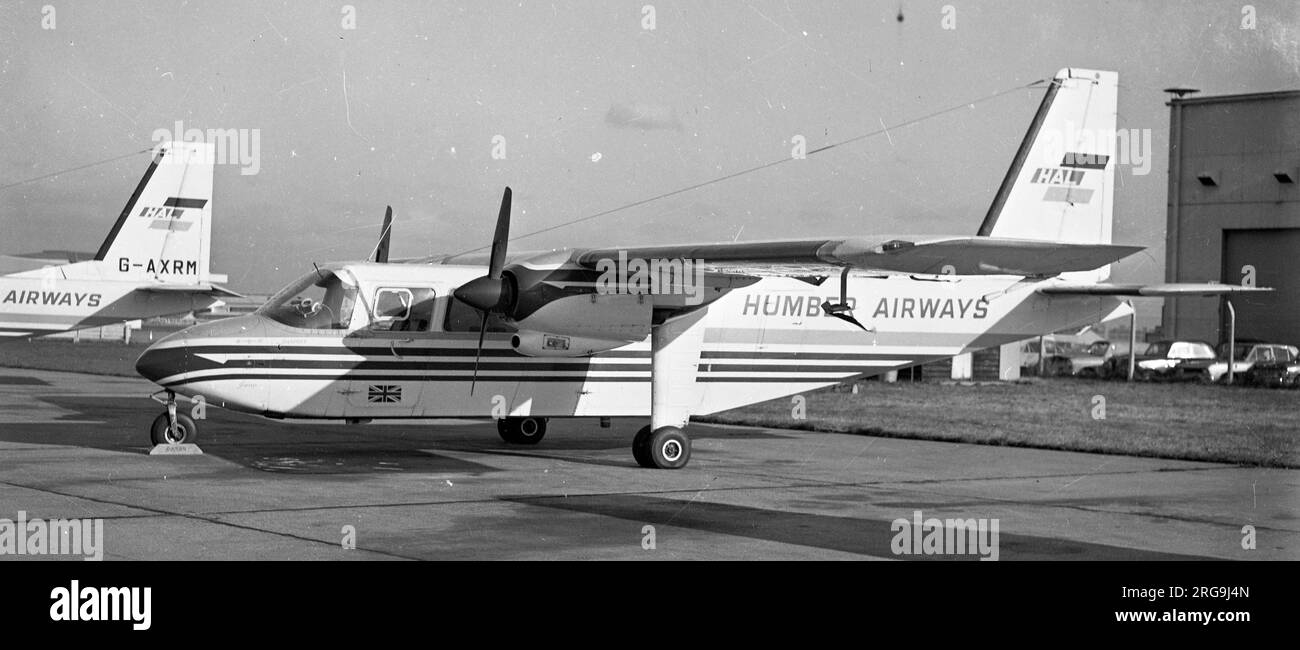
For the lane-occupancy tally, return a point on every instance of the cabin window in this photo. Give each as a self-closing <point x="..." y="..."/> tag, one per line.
<point x="402" y="309"/>
<point x="318" y="300"/>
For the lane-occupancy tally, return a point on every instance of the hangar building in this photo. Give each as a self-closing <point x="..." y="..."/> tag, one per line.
<point x="1234" y="213"/>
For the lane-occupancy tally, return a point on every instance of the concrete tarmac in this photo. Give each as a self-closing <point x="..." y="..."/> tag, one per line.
<point x="76" y="446"/>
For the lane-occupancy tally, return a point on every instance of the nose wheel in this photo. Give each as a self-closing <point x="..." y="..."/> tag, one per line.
<point x="171" y="427"/>
<point x="662" y="448"/>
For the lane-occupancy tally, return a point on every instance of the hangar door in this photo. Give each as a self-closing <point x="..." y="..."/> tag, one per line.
<point x="1274" y="252"/>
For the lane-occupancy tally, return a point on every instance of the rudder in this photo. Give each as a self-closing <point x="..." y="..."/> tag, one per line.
<point x="1060" y="184"/>
<point x="165" y="230"/>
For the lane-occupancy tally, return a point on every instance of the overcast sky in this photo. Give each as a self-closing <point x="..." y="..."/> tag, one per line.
<point x="595" y="112"/>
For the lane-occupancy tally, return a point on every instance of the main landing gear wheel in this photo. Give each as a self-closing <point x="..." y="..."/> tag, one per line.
<point x="664" y="448"/>
<point x="163" y="433"/>
<point x="522" y="431"/>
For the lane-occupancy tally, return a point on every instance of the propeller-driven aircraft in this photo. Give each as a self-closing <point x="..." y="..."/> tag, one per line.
<point x="154" y="261"/>
<point x="673" y="331"/>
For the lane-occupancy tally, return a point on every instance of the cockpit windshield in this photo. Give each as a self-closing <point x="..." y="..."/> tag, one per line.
<point x="319" y="300"/>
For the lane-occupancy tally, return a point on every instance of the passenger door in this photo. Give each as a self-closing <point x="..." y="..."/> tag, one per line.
<point x="396" y="342"/>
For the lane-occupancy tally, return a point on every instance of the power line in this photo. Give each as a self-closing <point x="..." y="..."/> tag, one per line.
<point x="73" y="169"/>
<point x="774" y="163"/>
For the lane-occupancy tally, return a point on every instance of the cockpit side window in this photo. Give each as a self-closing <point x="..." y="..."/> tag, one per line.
<point x="403" y="309"/>
<point x="318" y="300"/>
<point x="392" y="304"/>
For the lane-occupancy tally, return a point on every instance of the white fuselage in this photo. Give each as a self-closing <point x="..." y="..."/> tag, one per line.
<point x="760" y="342"/>
<point x="34" y="304"/>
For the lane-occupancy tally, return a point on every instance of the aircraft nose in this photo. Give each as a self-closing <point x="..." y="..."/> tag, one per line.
<point x="184" y="351"/>
<point x="163" y="359"/>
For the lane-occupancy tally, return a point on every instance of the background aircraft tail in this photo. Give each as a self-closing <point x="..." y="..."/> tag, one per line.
<point x="165" y="231"/>
<point x="1060" y="186"/>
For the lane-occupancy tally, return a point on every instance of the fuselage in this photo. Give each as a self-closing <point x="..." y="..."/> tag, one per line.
<point x="763" y="341"/>
<point x="34" y="306"/>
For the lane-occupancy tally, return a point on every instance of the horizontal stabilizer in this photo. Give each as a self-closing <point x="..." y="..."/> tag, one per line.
<point x="1150" y="290"/>
<point x="56" y="257"/>
<point x="202" y="289"/>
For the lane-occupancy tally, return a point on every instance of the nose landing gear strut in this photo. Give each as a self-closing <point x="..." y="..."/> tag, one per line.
<point x="171" y="427"/>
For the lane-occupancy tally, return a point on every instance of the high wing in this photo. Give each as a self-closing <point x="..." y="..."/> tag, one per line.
<point x="1153" y="290"/>
<point x="473" y="258"/>
<point x="957" y="255"/>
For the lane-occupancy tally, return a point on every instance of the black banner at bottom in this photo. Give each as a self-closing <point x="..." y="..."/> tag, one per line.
<point x="180" y="600"/>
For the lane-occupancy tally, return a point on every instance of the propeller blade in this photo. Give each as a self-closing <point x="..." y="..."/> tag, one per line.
<point x="491" y="292"/>
<point x="499" y="239"/>
<point x="478" y="351"/>
<point x="385" y="235"/>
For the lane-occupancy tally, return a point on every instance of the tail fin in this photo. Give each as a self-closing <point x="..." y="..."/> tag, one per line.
<point x="1061" y="183"/>
<point x="165" y="230"/>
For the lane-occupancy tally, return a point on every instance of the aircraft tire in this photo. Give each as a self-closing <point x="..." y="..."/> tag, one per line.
<point x="522" y="431"/>
<point x="641" y="448"/>
<point x="160" y="432"/>
<point x="669" y="448"/>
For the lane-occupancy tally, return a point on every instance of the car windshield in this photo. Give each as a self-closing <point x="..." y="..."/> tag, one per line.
<point x="1180" y="350"/>
<point x="318" y="300"/>
<point x="1158" y="349"/>
<point x="1191" y="350"/>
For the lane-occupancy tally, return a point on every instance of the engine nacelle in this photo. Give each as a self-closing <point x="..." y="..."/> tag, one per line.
<point x="606" y="317"/>
<point x="541" y="344"/>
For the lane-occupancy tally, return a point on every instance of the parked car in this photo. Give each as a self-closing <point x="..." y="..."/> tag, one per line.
<point x="1245" y="355"/>
<point x="1065" y="357"/>
<point x="1055" y="361"/>
<point x="1279" y="369"/>
<point x="1166" y="360"/>
<point x="1089" y="361"/>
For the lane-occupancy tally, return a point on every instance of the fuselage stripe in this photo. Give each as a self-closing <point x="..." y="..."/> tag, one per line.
<point x="795" y="379"/>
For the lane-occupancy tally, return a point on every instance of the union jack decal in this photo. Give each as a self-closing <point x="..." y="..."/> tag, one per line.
<point x="385" y="394"/>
